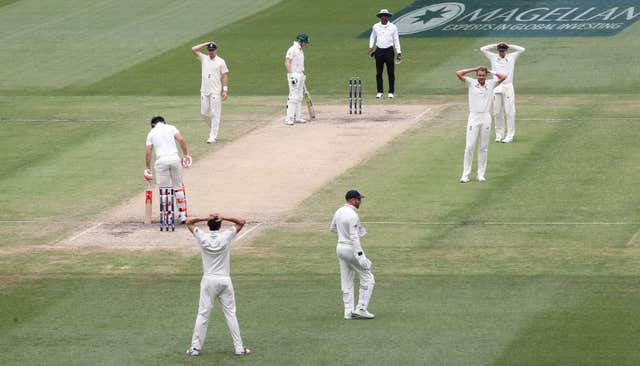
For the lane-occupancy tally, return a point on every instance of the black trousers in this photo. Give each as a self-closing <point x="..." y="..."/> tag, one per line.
<point x="384" y="56"/>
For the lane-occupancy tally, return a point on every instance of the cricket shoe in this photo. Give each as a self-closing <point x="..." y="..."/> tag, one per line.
<point x="507" y="140"/>
<point x="301" y="120"/>
<point x="192" y="351"/>
<point x="244" y="352"/>
<point x="464" y="180"/>
<point x="379" y="96"/>
<point x="482" y="179"/>
<point x="288" y="122"/>
<point x="348" y="315"/>
<point x="363" y="314"/>
<point x="390" y="96"/>
<point x="211" y="141"/>
<point x="498" y="139"/>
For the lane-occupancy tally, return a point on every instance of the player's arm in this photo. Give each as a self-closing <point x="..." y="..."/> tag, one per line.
<point x="287" y="65"/>
<point x="396" y="43"/>
<point x="238" y="221"/>
<point x="517" y="50"/>
<point x="147" y="156"/>
<point x="501" y="77"/>
<point x="192" y="221"/>
<point x="486" y="50"/>
<point x="182" y="142"/>
<point x="225" y="85"/>
<point x="196" y="49"/>
<point x="461" y="73"/>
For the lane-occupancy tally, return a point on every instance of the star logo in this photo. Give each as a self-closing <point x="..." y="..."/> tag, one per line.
<point x="431" y="14"/>
<point x="428" y="17"/>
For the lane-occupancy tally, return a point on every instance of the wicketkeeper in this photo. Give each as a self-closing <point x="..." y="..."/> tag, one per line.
<point x="294" y="63"/>
<point x="162" y="140"/>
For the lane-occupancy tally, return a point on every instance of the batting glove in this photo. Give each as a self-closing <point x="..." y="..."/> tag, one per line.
<point x="292" y="79"/>
<point x="187" y="161"/>
<point x="147" y="175"/>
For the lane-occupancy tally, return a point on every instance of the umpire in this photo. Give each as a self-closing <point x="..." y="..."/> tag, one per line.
<point x="384" y="35"/>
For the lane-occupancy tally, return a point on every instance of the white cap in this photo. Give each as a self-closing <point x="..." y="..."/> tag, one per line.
<point x="384" y="12"/>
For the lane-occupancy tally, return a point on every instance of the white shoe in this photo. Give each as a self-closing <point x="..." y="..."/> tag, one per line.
<point x="464" y="180"/>
<point x="482" y="179"/>
<point x="390" y="96"/>
<point x="288" y="122"/>
<point x="191" y="351"/>
<point x="244" y="352"/>
<point x="507" y="140"/>
<point x="348" y="315"/>
<point x="301" y="120"/>
<point x="498" y="139"/>
<point x="211" y="141"/>
<point x="379" y="96"/>
<point x="363" y="314"/>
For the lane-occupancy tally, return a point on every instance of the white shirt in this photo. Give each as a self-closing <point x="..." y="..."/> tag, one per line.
<point x="296" y="55"/>
<point x="480" y="95"/>
<point x="506" y="65"/>
<point x="212" y="71"/>
<point x="385" y="36"/>
<point x="347" y="224"/>
<point x="215" y="247"/>
<point x="163" y="139"/>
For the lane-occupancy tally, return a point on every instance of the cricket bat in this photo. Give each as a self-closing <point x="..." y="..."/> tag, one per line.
<point x="148" y="198"/>
<point x="307" y="99"/>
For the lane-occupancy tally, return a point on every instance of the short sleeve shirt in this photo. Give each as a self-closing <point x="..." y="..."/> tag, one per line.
<point x="212" y="71"/>
<point x="163" y="139"/>
<point x="296" y="55"/>
<point x="480" y="95"/>
<point x="215" y="249"/>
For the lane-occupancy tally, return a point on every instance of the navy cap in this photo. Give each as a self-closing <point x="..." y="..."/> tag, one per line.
<point x="503" y="46"/>
<point x="212" y="46"/>
<point x="353" y="194"/>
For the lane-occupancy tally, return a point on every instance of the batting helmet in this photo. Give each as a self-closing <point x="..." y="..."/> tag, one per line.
<point x="156" y="119"/>
<point x="302" y="37"/>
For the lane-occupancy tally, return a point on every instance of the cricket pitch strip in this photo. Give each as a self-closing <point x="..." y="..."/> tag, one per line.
<point x="261" y="176"/>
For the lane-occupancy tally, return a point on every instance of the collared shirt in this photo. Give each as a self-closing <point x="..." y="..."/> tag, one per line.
<point x="385" y="36"/>
<point x="163" y="139"/>
<point x="506" y="65"/>
<point x="480" y="95"/>
<point x="215" y="248"/>
<point x="212" y="71"/>
<point x="347" y="224"/>
<point x="296" y="55"/>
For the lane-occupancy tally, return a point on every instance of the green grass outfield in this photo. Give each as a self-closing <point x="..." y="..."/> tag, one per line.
<point x="540" y="265"/>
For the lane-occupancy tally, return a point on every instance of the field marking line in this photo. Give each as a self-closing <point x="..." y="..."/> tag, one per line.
<point x="85" y="231"/>
<point x="633" y="238"/>
<point x="248" y="231"/>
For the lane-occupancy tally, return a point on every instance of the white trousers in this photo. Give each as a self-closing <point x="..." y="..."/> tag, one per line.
<point x="210" y="109"/>
<point x="169" y="172"/>
<point x="504" y="107"/>
<point x="349" y="266"/>
<point x="478" y="127"/>
<point x="296" y="96"/>
<point x="221" y="288"/>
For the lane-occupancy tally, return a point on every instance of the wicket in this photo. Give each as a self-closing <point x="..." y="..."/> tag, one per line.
<point x="355" y="95"/>
<point x="167" y="218"/>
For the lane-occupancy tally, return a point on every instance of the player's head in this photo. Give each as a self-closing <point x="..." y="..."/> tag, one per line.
<point x="155" y="120"/>
<point x="481" y="74"/>
<point x="354" y="198"/>
<point x="502" y="49"/>
<point x="212" y="48"/>
<point x="214" y="224"/>
<point x="302" y="39"/>
<point x="384" y="15"/>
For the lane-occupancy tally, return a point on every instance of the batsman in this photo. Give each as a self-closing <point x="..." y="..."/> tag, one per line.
<point x="294" y="64"/>
<point x="162" y="140"/>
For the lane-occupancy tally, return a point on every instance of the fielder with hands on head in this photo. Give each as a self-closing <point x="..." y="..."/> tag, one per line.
<point x="351" y="257"/>
<point x="215" y="247"/>
<point x="479" y="121"/>
<point x="162" y="140"/>
<point x="215" y="81"/>
<point x="384" y="35"/>
<point x="294" y="64"/>
<point x="504" y="96"/>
